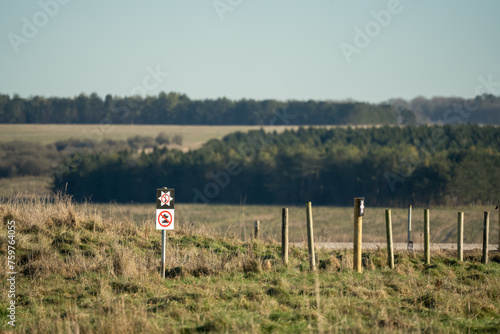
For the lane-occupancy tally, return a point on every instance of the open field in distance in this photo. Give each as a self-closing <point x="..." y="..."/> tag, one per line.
<point x="331" y="224"/>
<point x="193" y="136"/>
<point x="33" y="184"/>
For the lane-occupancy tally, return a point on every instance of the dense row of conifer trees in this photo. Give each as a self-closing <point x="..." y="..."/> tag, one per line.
<point x="445" y="165"/>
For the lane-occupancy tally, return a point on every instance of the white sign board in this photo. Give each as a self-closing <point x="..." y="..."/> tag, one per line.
<point x="164" y="219"/>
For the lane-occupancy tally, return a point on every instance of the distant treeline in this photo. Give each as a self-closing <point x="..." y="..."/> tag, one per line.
<point x="174" y="108"/>
<point x="484" y="109"/>
<point x="438" y="165"/>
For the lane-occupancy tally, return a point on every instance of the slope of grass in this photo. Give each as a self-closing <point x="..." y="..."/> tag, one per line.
<point x="79" y="271"/>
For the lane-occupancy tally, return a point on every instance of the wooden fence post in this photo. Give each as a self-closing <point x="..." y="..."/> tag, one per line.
<point x="460" y="236"/>
<point x="284" y="235"/>
<point x="310" y="237"/>
<point x="358" y="233"/>
<point x="427" y="234"/>
<point x="257" y="227"/>
<point x="390" y="249"/>
<point x="486" y="235"/>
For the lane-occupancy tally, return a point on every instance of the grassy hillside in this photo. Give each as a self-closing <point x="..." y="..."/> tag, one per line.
<point x="81" y="271"/>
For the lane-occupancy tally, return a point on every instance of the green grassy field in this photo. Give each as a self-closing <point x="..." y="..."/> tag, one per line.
<point x="80" y="270"/>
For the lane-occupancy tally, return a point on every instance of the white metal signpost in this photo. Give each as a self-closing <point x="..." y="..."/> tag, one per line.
<point x="165" y="200"/>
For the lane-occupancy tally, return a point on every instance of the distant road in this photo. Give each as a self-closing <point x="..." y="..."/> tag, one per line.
<point x="397" y="246"/>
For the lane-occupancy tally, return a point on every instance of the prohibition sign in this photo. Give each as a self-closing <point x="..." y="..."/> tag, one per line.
<point x="165" y="198"/>
<point x="166" y="216"/>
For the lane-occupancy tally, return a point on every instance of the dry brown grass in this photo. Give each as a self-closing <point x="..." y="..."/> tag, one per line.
<point x="82" y="271"/>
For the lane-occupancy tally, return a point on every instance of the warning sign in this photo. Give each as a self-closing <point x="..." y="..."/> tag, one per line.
<point x="165" y="199"/>
<point x="164" y="219"/>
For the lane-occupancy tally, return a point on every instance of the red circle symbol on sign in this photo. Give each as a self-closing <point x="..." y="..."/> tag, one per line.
<point x="165" y="198"/>
<point x="165" y="219"/>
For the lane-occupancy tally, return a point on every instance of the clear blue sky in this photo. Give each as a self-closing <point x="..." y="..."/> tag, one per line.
<point x="262" y="49"/>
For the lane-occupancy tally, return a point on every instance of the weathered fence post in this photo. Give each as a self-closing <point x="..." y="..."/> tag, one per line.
<point x="390" y="249"/>
<point x="410" y="243"/>
<point x="427" y="234"/>
<point x="284" y="235"/>
<point x="359" y="207"/>
<point x="486" y="234"/>
<point x="257" y="227"/>
<point x="460" y="236"/>
<point x="310" y="237"/>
